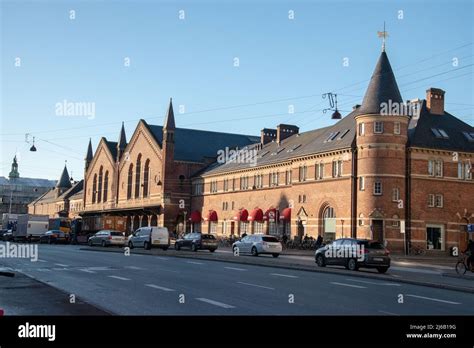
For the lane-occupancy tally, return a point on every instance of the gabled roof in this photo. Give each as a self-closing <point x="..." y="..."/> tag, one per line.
<point x="382" y="88"/>
<point x="420" y="133"/>
<point x="112" y="146"/>
<point x="315" y="141"/>
<point x="195" y="145"/>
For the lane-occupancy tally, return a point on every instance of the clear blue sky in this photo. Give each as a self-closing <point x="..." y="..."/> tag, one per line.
<point x="192" y="60"/>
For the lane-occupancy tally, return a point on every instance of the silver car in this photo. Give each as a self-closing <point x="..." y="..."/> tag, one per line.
<point x="257" y="244"/>
<point x="107" y="237"/>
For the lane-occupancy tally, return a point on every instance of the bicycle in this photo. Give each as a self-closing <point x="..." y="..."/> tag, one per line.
<point x="417" y="250"/>
<point x="461" y="266"/>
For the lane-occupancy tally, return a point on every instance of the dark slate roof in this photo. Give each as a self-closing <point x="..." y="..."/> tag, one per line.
<point x="195" y="145"/>
<point x="64" y="180"/>
<point x="50" y="196"/>
<point x="112" y="146"/>
<point x="421" y="135"/>
<point x="74" y="189"/>
<point x="89" y="154"/>
<point x="306" y="143"/>
<point x="382" y="88"/>
<point x="169" y="120"/>
<point x="28" y="182"/>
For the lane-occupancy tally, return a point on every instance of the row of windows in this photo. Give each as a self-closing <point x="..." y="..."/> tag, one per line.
<point x="435" y="168"/>
<point x="100" y="186"/>
<point x="378" y="189"/>
<point x="379" y="128"/>
<point x="141" y="185"/>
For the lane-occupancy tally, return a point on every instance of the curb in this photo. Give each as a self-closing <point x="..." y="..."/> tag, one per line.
<point x="300" y="267"/>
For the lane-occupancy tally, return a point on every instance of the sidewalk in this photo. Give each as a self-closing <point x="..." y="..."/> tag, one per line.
<point x="442" y="278"/>
<point x="22" y="295"/>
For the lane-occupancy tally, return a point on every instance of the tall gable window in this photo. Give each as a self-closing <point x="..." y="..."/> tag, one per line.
<point x="106" y="186"/>
<point x="137" y="175"/>
<point x="99" y="190"/>
<point x="130" y="181"/>
<point x="146" y="178"/>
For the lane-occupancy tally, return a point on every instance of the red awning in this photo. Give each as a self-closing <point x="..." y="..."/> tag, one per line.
<point x="256" y="215"/>
<point x="286" y="214"/>
<point x="211" y="216"/>
<point x="271" y="215"/>
<point x="241" y="215"/>
<point x="195" y="216"/>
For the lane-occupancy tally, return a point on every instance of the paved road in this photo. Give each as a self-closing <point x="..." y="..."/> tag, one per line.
<point x="142" y="285"/>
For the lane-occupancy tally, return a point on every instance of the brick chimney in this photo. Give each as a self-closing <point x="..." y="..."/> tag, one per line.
<point x="435" y="101"/>
<point x="267" y="135"/>
<point x="285" y="131"/>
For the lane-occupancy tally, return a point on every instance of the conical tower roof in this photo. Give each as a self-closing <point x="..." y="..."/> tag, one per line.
<point x="169" y="121"/>
<point x="382" y="88"/>
<point x="122" y="143"/>
<point x="89" y="154"/>
<point x="64" y="181"/>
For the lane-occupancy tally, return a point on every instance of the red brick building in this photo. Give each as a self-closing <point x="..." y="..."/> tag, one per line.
<point x="382" y="172"/>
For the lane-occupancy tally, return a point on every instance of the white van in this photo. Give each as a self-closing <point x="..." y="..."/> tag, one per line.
<point x="148" y="237"/>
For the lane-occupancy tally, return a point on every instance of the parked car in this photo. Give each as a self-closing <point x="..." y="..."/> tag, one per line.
<point x="148" y="237"/>
<point x="54" y="237"/>
<point x="354" y="254"/>
<point x="197" y="241"/>
<point x="107" y="237"/>
<point x="2" y="231"/>
<point x="8" y="236"/>
<point x="258" y="244"/>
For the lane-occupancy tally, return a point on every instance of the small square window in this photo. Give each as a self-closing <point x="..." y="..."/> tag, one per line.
<point x="396" y="128"/>
<point x="378" y="188"/>
<point x="378" y="127"/>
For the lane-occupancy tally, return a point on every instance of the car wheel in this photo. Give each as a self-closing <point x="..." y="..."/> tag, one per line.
<point x="320" y="261"/>
<point x="352" y="265"/>
<point x="90" y="243"/>
<point x="194" y="247"/>
<point x="103" y="244"/>
<point x="254" y="251"/>
<point x="212" y="250"/>
<point x="146" y="245"/>
<point x="275" y="255"/>
<point x="130" y="245"/>
<point x="382" y="269"/>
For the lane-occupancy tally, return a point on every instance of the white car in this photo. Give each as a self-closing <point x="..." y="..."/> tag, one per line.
<point x="257" y="244"/>
<point x="148" y="237"/>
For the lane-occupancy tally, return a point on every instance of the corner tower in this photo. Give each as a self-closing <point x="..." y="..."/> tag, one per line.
<point x="382" y="126"/>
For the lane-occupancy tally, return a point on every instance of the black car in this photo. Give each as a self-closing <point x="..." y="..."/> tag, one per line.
<point x="7" y="236"/>
<point x="354" y="254"/>
<point x="54" y="237"/>
<point x="196" y="241"/>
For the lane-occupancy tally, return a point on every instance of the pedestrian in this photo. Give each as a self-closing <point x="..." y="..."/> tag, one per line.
<point x="284" y="238"/>
<point x="319" y="242"/>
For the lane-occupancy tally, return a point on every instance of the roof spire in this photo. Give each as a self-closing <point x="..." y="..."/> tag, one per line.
<point x="64" y="181"/>
<point x="14" y="172"/>
<point x="89" y="154"/>
<point x="122" y="143"/>
<point x="383" y="34"/>
<point x="169" y="120"/>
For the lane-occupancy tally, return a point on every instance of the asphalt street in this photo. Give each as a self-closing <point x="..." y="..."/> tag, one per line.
<point x="160" y="285"/>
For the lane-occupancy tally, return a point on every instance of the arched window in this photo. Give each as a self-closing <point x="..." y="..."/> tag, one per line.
<point x="94" y="188"/>
<point x="146" y="176"/>
<point x="99" y="190"/>
<point x="130" y="181"/>
<point x="106" y="186"/>
<point x="137" y="175"/>
<point x="329" y="223"/>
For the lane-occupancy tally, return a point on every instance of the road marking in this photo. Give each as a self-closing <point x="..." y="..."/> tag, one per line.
<point x="162" y="258"/>
<point x="117" y="277"/>
<point x="133" y="267"/>
<point x="350" y="285"/>
<point x="283" y="275"/>
<point x="61" y="264"/>
<point x="236" y="268"/>
<point x="215" y="303"/>
<point x="159" y="287"/>
<point x="60" y="269"/>
<point x="414" y="270"/>
<point x="195" y="263"/>
<point x="258" y="286"/>
<point x="389" y="313"/>
<point x="433" y="299"/>
<point x="42" y="260"/>
<point x="365" y="282"/>
<point x="86" y="270"/>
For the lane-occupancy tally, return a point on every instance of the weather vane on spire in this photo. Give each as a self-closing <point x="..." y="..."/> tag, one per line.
<point x="383" y="34"/>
